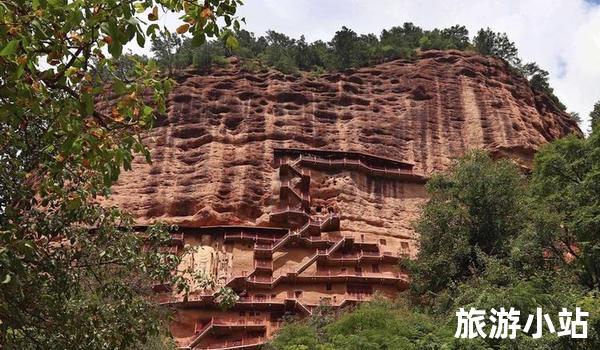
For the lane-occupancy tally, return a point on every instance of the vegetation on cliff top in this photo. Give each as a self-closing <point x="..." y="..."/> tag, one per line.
<point x="346" y="49"/>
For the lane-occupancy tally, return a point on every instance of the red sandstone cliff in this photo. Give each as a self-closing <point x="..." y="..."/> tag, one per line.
<point x="340" y="160"/>
<point x="213" y="152"/>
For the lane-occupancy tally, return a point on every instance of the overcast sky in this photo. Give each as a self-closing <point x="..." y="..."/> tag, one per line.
<point x="562" y="36"/>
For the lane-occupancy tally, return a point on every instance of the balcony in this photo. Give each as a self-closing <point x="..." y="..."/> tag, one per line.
<point x="263" y="265"/>
<point x="288" y="214"/>
<point x="261" y="280"/>
<point x="245" y="343"/>
<point x="259" y="299"/>
<point x="361" y="256"/>
<point x="204" y="327"/>
<point x="392" y="278"/>
<point x="263" y="250"/>
<point x="233" y="236"/>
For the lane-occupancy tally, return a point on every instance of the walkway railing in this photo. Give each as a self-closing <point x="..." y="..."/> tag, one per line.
<point x="357" y="164"/>
<point x="201" y="329"/>
<point x="234" y="344"/>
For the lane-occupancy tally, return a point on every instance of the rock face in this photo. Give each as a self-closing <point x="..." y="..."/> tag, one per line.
<point x="213" y="153"/>
<point x="318" y="173"/>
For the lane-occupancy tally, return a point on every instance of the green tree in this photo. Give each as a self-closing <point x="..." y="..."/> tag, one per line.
<point x="458" y="36"/>
<point x="407" y="36"/>
<point x="488" y="42"/>
<point x="279" y="52"/>
<point x="455" y="37"/>
<point x="344" y="47"/>
<point x="379" y="324"/>
<point x="166" y="47"/>
<point x="474" y="211"/>
<point x="73" y="274"/>
<point x="595" y="116"/>
<point x="566" y="179"/>
<point x="538" y="79"/>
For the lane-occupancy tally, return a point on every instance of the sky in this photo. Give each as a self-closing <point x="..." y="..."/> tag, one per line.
<point x="562" y="36"/>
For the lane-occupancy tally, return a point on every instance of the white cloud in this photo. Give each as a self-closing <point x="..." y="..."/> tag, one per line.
<point x="563" y="36"/>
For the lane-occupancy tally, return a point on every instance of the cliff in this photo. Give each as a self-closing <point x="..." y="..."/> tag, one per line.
<point x="299" y="191"/>
<point x="213" y="151"/>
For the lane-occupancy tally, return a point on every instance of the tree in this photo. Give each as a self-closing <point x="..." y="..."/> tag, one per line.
<point x="344" y="45"/>
<point x="74" y="274"/>
<point x="566" y="179"/>
<point x="538" y="79"/>
<point x="279" y="52"/>
<point x="474" y="211"/>
<point x="407" y="36"/>
<point x="458" y="36"/>
<point x="165" y="46"/>
<point x="488" y="42"/>
<point x="379" y="324"/>
<point x="595" y="116"/>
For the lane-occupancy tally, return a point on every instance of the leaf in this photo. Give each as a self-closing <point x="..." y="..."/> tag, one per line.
<point x="10" y="48"/>
<point x="115" y="49"/>
<point x="206" y="12"/>
<point x="6" y="279"/>
<point x="141" y="40"/>
<point x="20" y="71"/>
<point x="139" y="7"/>
<point x="154" y="15"/>
<point x="183" y="28"/>
<point x="151" y="29"/>
<point x="147" y="111"/>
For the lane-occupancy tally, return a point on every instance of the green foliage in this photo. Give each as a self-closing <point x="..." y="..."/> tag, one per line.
<point x="375" y="325"/>
<point x="74" y="274"/>
<point x="566" y="178"/>
<point x="408" y="36"/>
<point x="473" y="212"/>
<point x="595" y="116"/>
<point x="165" y="46"/>
<point x="254" y="66"/>
<point x="488" y="42"/>
<point x="204" y="57"/>
<point x="538" y="79"/>
<point x="347" y="50"/>
<point x="226" y="298"/>
<point x="455" y="37"/>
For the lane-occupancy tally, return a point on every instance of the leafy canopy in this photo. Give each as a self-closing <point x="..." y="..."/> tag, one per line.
<point x="73" y="274"/>
<point x="595" y="116"/>
<point x="347" y="49"/>
<point x="473" y="212"/>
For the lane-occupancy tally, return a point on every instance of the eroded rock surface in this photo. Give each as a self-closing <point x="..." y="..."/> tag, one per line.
<point x="297" y="192"/>
<point x="213" y="151"/>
